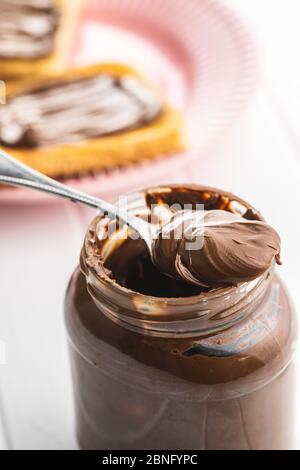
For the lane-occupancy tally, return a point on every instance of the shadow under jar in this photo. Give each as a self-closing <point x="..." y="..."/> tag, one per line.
<point x="159" y="364"/>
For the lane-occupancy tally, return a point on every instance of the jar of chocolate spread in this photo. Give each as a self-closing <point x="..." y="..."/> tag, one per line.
<point x="158" y="363"/>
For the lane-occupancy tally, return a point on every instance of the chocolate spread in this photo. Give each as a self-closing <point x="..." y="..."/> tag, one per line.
<point x="159" y="363"/>
<point x="27" y="28"/>
<point x="68" y="111"/>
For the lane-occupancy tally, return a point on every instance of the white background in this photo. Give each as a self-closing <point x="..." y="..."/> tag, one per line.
<point x="260" y="162"/>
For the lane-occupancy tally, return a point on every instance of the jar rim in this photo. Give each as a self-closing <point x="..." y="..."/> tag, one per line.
<point x="212" y="293"/>
<point x="165" y="316"/>
<point x="209" y="295"/>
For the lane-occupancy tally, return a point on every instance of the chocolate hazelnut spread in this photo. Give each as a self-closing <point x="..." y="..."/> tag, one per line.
<point x="215" y="248"/>
<point x="159" y="363"/>
<point x="27" y="28"/>
<point x="74" y="110"/>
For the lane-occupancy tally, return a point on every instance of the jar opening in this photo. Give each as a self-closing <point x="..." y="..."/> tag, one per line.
<point x="127" y="262"/>
<point x="128" y="288"/>
<point x="132" y="268"/>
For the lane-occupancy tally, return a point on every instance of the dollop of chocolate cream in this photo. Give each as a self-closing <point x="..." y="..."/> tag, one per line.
<point x="215" y="248"/>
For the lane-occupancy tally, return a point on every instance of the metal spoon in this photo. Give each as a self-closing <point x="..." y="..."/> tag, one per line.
<point x="15" y="173"/>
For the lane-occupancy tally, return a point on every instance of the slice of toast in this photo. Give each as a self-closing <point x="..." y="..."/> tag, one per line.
<point x="69" y="15"/>
<point x="162" y="136"/>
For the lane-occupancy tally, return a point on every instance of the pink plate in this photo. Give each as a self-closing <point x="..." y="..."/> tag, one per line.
<point x="197" y="51"/>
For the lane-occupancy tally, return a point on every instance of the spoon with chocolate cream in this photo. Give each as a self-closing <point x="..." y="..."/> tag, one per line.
<point x="215" y="248"/>
<point x="208" y="248"/>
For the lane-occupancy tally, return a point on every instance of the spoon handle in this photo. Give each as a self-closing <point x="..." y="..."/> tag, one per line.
<point x="61" y="192"/>
<point x="13" y="172"/>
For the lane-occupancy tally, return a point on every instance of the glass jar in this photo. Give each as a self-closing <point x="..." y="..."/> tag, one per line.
<point x="210" y="370"/>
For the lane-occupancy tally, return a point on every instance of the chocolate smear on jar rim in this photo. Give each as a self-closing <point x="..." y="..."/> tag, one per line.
<point x="240" y="232"/>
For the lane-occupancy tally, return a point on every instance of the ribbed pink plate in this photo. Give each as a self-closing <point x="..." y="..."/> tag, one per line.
<point x="197" y="51"/>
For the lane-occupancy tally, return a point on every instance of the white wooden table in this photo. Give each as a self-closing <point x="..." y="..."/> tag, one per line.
<point x="39" y="248"/>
